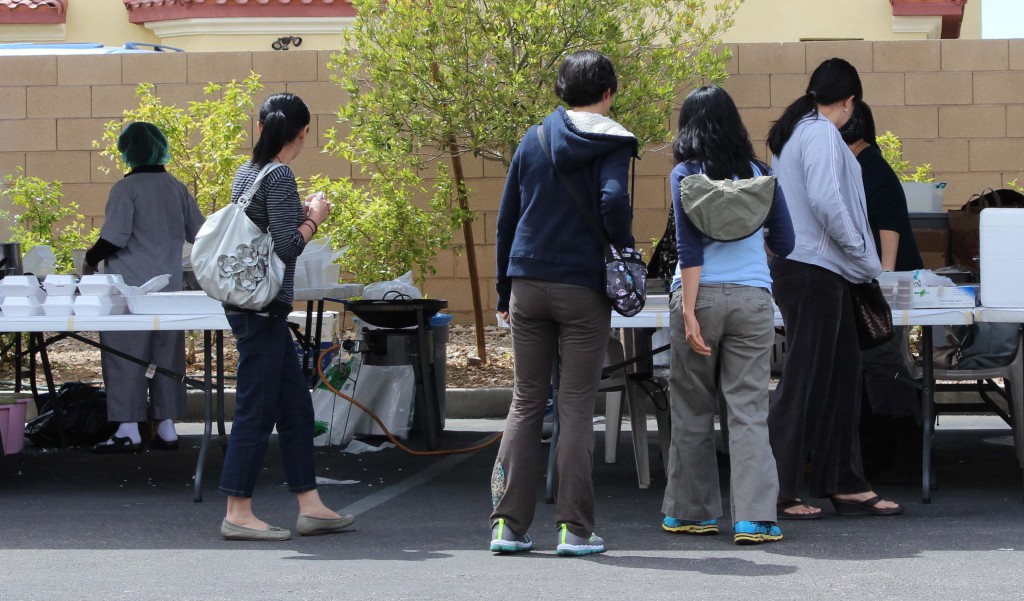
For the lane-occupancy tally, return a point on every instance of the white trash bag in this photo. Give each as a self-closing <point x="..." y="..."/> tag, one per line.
<point x="334" y="418"/>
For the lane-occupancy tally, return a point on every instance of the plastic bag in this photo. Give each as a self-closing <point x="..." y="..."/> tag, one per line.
<point x="84" y="409"/>
<point x="403" y="286"/>
<point x="334" y="418"/>
<point x="387" y="391"/>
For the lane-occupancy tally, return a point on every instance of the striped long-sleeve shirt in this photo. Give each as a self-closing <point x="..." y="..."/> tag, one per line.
<point x="276" y="207"/>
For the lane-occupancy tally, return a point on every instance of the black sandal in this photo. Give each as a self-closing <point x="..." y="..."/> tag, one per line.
<point x="865" y="507"/>
<point x="116" y="444"/>
<point x="782" y="506"/>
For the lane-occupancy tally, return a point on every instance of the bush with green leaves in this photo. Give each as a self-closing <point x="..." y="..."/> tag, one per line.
<point x="431" y="82"/>
<point x="205" y="138"/>
<point x="892" y="151"/>
<point x="45" y="218"/>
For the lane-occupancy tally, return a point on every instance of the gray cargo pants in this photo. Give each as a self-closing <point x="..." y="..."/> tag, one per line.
<point x="738" y="324"/>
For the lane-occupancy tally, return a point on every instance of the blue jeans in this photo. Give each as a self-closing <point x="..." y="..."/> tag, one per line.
<point x="271" y="390"/>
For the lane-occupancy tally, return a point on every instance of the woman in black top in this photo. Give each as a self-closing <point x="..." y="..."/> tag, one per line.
<point x="887" y="204"/>
<point x="890" y="412"/>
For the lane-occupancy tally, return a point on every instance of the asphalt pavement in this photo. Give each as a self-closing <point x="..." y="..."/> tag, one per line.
<point x="74" y="525"/>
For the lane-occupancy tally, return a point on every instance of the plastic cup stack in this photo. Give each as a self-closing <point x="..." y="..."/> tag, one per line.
<point x="904" y="293"/>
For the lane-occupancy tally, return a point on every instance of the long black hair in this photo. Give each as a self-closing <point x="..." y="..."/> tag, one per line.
<point x="861" y="126"/>
<point x="712" y="133"/>
<point x="833" y="80"/>
<point x="283" y="116"/>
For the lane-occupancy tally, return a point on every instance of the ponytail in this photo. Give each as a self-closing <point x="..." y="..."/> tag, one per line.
<point x="782" y="129"/>
<point x="283" y="117"/>
<point x="833" y="80"/>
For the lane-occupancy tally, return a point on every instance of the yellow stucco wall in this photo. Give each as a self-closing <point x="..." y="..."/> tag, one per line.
<point x="106" y="21"/>
<point x="795" y="20"/>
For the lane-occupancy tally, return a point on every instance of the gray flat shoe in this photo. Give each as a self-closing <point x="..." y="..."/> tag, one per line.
<point x="235" y="532"/>
<point x="308" y="525"/>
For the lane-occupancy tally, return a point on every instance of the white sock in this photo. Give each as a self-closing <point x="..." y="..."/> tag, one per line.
<point x="129" y="430"/>
<point x="166" y="430"/>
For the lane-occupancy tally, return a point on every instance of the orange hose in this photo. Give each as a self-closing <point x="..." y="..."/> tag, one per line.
<point x="391" y="437"/>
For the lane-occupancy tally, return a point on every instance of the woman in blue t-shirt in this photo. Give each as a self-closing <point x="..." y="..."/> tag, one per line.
<point x="721" y="316"/>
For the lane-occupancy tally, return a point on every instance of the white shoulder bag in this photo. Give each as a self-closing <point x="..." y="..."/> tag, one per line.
<point x="234" y="259"/>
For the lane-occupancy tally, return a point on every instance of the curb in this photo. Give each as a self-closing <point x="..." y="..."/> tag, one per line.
<point x="494" y="403"/>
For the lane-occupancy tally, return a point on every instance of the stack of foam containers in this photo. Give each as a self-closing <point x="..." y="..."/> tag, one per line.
<point x="60" y="294"/>
<point x="98" y="295"/>
<point x="23" y="297"/>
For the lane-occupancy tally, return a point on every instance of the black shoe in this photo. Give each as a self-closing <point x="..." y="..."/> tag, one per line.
<point x="159" y="444"/>
<point x="117" y="444"/>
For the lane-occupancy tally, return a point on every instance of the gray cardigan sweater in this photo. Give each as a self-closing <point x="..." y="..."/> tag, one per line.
<point x="825" y="195"/>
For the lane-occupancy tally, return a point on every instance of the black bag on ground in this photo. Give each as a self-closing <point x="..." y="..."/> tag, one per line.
<point x="84" y="412"/>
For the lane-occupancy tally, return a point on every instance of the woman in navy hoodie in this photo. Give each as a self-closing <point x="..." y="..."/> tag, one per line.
<point x="550" y="286"/>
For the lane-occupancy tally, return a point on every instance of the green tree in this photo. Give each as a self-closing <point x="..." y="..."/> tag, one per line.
<point x="204" y="138"/>
<point x="46" y="218"/>
<point x="430" y="82"/>
<point x="381" y="221"/>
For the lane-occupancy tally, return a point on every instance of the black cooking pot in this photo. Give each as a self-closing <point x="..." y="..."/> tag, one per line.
<point x="395" y="313"/>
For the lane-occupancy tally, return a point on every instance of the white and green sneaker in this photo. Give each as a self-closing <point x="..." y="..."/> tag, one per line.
<point x="571" y="545"/>
<point x="505" y="540"/>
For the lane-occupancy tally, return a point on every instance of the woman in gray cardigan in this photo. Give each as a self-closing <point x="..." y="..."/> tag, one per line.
<point x="816" y="407"/>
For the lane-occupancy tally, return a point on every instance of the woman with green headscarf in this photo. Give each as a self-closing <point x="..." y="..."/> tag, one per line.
<point x="149" y="217"/>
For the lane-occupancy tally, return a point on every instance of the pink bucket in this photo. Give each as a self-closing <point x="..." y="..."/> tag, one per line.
<point x="12" y="425"/>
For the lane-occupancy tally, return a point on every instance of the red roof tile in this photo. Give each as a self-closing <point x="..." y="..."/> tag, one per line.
<point x="142" y="11"/>
<point x="33" y="11"/>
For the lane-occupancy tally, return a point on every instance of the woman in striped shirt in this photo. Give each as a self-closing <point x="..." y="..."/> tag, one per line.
<point x="271" y="389"/>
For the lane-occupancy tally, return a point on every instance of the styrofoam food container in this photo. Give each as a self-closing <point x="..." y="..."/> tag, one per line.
<point x="104" y="284"/>
<point x="93" y="305"/>
<point x="59" y="305"/>
<point x="60" y="285"/>
<point x="21" y="306"/>
<point x="22" y="285"/>
<point x="186" y="302"/>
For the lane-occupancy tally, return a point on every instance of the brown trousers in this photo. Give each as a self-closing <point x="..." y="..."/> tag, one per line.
<point x="574" y="321"/>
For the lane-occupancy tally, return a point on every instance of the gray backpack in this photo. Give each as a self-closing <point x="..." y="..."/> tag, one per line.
<point x="727" y="210"/>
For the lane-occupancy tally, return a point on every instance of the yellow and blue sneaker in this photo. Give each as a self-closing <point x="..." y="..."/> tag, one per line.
<point x="755" y="533"/>
<point x="705" y="528"/>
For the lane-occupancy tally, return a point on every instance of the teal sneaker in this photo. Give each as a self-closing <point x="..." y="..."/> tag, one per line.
<point x="705" y="528"/>
<point x="755" y="533"/>
<point x="505" y="540"/>
<point x="571" y="545"/>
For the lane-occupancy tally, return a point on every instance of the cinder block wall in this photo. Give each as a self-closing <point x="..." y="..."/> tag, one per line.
<point x="957" y="104"/>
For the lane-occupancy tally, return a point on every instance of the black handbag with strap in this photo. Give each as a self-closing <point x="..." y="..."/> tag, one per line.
<point x="872" y="313"/>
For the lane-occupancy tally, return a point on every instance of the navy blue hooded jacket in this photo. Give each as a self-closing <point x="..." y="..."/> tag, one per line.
<point x="542" y="235"/>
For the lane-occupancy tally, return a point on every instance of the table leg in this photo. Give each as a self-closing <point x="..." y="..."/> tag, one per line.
<point x="204" y="448"/>
<point x="17" y="363"/>
<point x="927" y="413"/>
<point x="307" y="369"/>
<point x="318" y="339"/>
<point x="44" y="359"/>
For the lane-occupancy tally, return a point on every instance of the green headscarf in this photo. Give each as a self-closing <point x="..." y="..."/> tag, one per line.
<point x="143" y="143"/>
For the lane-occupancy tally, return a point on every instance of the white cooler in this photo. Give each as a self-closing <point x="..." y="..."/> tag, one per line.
<point x="1002" y="258"/>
